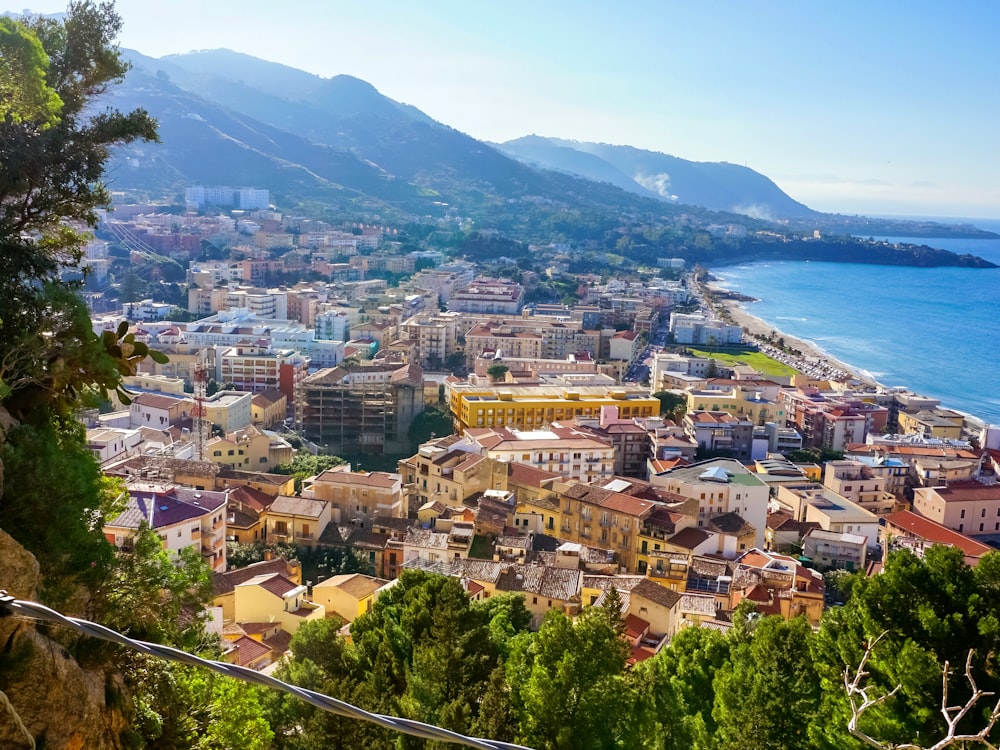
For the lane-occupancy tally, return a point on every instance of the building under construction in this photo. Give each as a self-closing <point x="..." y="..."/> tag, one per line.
<point x="360" y="409"/>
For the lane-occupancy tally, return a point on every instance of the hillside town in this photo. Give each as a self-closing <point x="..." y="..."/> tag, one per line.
<point x="326" y="423"/>
<point x="614" y="441"/>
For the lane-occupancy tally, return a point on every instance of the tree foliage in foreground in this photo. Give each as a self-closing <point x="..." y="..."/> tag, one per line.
<point x="426" y="652"/>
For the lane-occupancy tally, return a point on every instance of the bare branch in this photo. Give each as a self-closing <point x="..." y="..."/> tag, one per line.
<point x="856" y="692"/>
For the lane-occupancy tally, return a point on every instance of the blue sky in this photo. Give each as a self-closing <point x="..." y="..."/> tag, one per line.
<point x="850" y="106"/>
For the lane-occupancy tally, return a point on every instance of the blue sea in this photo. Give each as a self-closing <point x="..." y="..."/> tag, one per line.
<point x="934" y="330"/>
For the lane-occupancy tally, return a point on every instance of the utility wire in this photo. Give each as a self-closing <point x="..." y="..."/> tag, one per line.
<point x="33" y="610"/>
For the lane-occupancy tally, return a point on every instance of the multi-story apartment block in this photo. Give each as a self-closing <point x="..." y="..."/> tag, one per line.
<point x="935" y="423"/>
<point x="629" y="440"/>
<point x="444" y="280"/>
<point x="624" y="346"/>
<point x="970" y="507"/>
<point x="630" y="518"/>
<point x="861" y="484"/>
<point x="244" y="198"/>
<point x="703" y="331"/>
<point x="207" y="300"/>
<point x="249" y="449"/>
<point x="443" y="471"/>
<point x="332" y="325"/>
<point x="296" y="520"/>
<point x="357" y="497"/>
<point x="740" y="400"/>
<point x="831" y="550"/>
<point x="263" y="304"/>
<point x="258" y="270"/>
<point x="260" y="368"/>
<point x="532" y="407"/>
<point x="491" y="296"/>
<point x="231" y="410"/>
<point x="434" y="337"/>
<point x="562" y="450"/>
<point x="721" y="431"/>
<point x="360" y="409"/>
<point x="580" y="362"/>
<point x="825" y="423"/>
<point x="181" y="517"/>
<point x="833" y="512"/>
<point x="721" y="485"/>
<point x="530" y="338"/>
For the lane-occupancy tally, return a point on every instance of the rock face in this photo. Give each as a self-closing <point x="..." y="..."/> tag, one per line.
<point x="62" y="704"/>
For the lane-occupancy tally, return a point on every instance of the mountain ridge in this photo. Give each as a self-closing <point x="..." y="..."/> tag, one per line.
<point x="339" y="146"/>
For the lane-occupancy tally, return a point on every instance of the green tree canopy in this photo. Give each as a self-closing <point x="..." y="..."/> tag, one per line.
<point x="569" y="686"/>
<point x="923" y="612"/>
<point x="673" y="405"/>
<point x="25" y="94"/>
<point x="55" y="141"/>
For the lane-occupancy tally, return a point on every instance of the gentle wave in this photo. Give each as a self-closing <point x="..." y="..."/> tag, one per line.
<point x="928" y="328"/>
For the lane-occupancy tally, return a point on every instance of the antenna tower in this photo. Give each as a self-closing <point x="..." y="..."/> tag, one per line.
<point x="200" y="422"/>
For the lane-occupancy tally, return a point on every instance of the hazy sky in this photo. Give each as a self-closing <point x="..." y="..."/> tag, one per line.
<point x="850" y="106"/>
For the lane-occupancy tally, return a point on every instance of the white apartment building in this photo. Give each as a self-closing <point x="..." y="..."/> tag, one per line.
<point x="721" y="485"/>
<point x="703" y="331"/>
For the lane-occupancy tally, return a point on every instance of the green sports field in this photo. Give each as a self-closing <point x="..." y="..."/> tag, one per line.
<point x="758" y="361"/>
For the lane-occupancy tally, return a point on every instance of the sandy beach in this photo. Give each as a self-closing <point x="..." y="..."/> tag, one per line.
<point x="811" y="360"/>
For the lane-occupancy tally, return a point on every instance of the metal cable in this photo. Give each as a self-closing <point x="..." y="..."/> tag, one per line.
<point x="33" y="610"/>
<point x="17" y="720"/>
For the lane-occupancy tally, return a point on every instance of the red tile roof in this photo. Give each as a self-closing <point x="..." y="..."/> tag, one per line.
<point x="916" y="525"/>
<point x="635" y="627"/>
<point x="247" y="651"/>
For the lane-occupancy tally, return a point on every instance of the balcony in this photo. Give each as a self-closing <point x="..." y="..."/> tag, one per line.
<point x="211" y="548"/>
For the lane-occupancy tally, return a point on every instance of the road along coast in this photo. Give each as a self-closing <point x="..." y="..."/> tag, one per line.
<point x="798" y="353"/>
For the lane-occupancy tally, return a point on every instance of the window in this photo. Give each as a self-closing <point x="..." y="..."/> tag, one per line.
<point x="263" y="459"/>
<point x="231" y="452"/>
<point x="534" y="600"/>
<point x="217" y="453"/>
<point x="962" y="514"/>
<point x="983" y="515"/>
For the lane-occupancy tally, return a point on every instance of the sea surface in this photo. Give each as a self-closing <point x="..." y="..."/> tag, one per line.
<point x="934" y="330"/>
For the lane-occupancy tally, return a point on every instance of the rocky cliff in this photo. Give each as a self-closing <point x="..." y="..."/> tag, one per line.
<point x="62" y="704"/>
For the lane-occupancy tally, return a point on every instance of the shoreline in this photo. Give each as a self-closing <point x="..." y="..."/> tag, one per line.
<point x="813" y="360"/>
<point x="733" y="304"/>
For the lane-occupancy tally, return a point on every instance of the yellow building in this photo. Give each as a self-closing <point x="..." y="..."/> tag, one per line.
<point x="249" y="449"/>
<point x="438" y="471"/>
<point x="296" y="520"/>
<point x="937" y="423"/>
<point x="273" y="598"/>
<point x="348" y="596"/>
<point x="231" y="410"/>
<point x="530" y="407"/>
<point x="268" y="408"/>
<point x="224" y="583"/>
<point x="738" y="401"/>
